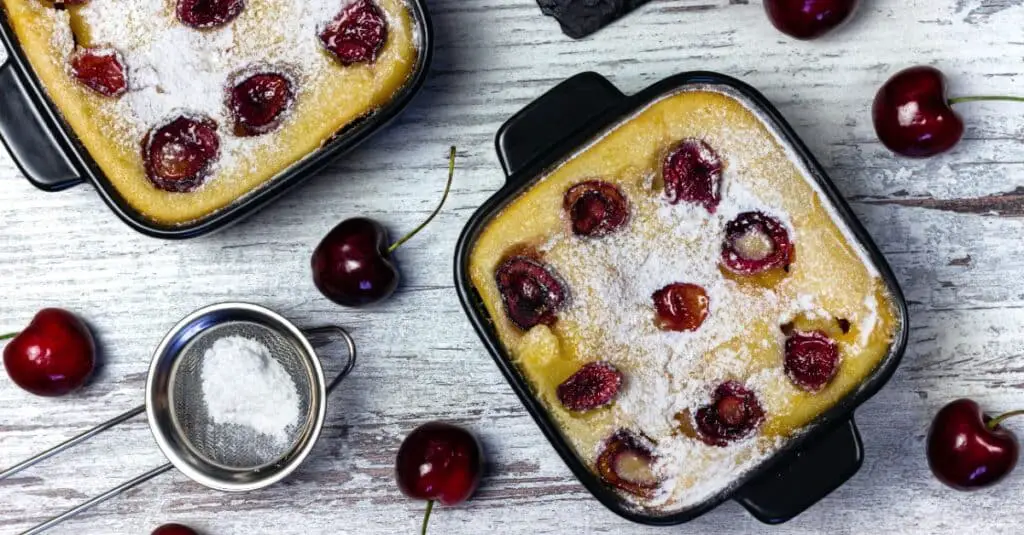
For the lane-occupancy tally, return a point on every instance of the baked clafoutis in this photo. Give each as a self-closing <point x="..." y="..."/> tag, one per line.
<point x="682" y="298"/>
<point x="187" y="105"/>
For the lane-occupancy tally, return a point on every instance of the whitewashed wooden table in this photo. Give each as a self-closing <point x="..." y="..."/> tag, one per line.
<point x="951" y="228"/>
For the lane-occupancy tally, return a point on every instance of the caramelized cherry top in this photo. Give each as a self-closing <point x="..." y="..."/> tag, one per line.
<point x="206" y="14"/>
<point x="178" y="155"/>
<point x="532" y="293"/>
<point x="100" y="69"/>
<point x="811" y="360"/>
<point x="692" y="172"/>
<point x="595" y="208"/>
<point x="594" y="385"/>
<point x="755" y="243"/>
<point x="357" y="34"/>
<point x="733" y="413"/>
<point x="680" y="307"/>
<point x="627" y="463"/>
<point x="258" y="102"/>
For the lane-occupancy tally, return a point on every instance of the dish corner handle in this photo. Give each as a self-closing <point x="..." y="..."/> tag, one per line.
<point x="31" y="143"/>
<point x="806" y="476"/>
<point x="553" y="117"/>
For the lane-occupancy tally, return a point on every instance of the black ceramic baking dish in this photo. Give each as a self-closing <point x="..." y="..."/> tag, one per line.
<point x="551" y="129"/>
<point x="48" y="153"/>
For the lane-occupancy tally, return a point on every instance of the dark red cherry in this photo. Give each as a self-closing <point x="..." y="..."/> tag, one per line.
<point x="680" y="307"/>
<point x="811" y="360"/>
<point x="352" y="265"/>
<point x="912" y="115"/>
<point x="205" y="14"/>
<point x="532" y="293"/>
<point x="356" y="35"/>
<point x="808" y="19"/>
<point x="967" y="450"/>
<point x="53" y="356"/>
<point x="733" y="413"/>
<point x="439" y="461"/>
<point x="595" y="208"/>
<point x="692" y="172"/>
<point x="594" y="385"/>
<point x="178" y="155"/>
<point x="627" y="463"/>
<point x="100" y="69"/>
<point x="174" y="529"/>
<point x="755" y="243"/>
<point x="259" y="102"/>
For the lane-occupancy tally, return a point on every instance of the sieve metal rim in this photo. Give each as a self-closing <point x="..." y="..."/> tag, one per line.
<point x="300" y="451"/>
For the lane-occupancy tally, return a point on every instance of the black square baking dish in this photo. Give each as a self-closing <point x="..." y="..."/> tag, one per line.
<point x="812" y="463"/>
<point x="48" y="153"/>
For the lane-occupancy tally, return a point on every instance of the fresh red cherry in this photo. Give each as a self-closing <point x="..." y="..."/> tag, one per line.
<point x="174" y="529"/>
<point x="809" y="19"/>
<point x="54" y="355"/>
<point x="913" y="116"/>
<point x="352" y="265"/>
<point x="967" y="449"/>
<point x="439" y="461"/>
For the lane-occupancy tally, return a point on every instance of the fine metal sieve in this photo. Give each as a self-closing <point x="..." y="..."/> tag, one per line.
<point x="226" y="457"/>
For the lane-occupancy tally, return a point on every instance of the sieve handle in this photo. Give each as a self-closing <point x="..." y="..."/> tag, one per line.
<point x="71" y="442"/>
<point x="334" y="330"/>
<point x="39" y="528"/>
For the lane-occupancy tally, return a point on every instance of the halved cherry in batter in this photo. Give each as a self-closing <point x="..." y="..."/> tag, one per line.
<point x="357" y="34"/>
<point x="532" y="293"/>
<point x="177" y="155"/>
<point x="812" y="359"/>
<point x="692" y="172"/>
<point x="732" y="414"/>
<point x="755" y="243"/>
<point x="627" y="463"/>
<point x="100" y="69"/>
<point x="594" y="385"/>
<point x="259" y="102"/>
<point x="205" y="14"/>
<point x="596" y="208"/>
<point x="680" y="307"/>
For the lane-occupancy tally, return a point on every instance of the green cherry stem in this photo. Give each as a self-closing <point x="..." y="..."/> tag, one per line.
<point x="8" y="335"/>
<point x="958" y="100"/>
<point x="430" y="507"/>
<point x="994" y="422"/>
<point x="447" y="188"/>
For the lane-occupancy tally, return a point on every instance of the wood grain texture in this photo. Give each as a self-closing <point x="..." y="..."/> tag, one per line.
<point x="950" y="226"/>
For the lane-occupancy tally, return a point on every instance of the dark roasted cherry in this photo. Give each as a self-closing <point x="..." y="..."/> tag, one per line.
<point x="732" y="414"/>
<point x="204" y="14"/>
<point x="532" y="292"/>
<point x="808" y="19"/>
<point x="811" y="360"/>
<point x="178" y="155"/>
<point x="692" y="172"/>
<point x="258" y="103"/>
<point x="54" y="355"/>
<point x="627" y="463"/>
<point x="100" y="69"/>
<point x="680" y="307"/>
<point x="755" y="243"/>
<point x="439" y="461"/>
<point x="912" y="115"/>
<point x="594" y="385"/>
<point x="357" y="34"/>
<point x="174" y="529"/>
<point x="595" y="208"/>
<point x="967" y="449"/>
<point x="352" y="265"/>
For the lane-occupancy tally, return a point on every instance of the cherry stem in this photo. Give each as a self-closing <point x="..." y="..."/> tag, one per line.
<point x="426" y="516"/>
<point x="994" y="422"/>
<point x="447" y="188"/>
<point x="8" y="335"/>
<point x="958" y="100"/>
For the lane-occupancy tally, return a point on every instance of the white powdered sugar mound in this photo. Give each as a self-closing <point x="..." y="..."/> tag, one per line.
<point x="243" y="384"/>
